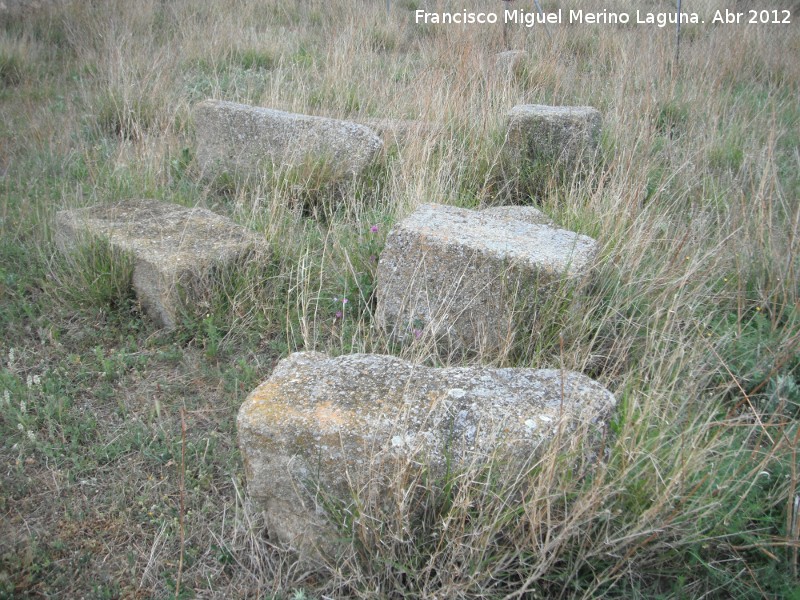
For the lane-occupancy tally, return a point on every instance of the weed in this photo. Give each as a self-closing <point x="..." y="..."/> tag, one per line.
<point x="11" y="68"/>
<point x="304" y="57"/>
<point x="95" y="274"/>
<point x="252" y="59"/>
<point x="126" y="118"/>
<point x="754" y="354"/>
<point x="672" y="118"/>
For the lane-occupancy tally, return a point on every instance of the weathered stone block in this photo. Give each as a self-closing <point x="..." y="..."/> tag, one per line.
<point x="463" y="275"/>
<point x="509" y="62"/>
<point x="566" y="136"/>
<point x="321" y="429"/>
<point x="236" y="138"/>
<point x="174" y="248"/>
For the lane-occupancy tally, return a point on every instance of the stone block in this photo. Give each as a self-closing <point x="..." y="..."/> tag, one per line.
<point x="239" y="139"/>
<point x="563" y="136"/>
<point x="465" y="276"/>
<point x="322" y="429"/>
<point x="174" y="249"/>
<point x="509" y="62"/>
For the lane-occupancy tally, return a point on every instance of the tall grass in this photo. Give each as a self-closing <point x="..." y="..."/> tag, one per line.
<point x="692" y="321"/>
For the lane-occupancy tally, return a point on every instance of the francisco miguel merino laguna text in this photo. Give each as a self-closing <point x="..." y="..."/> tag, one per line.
<point x="529" y="19"/>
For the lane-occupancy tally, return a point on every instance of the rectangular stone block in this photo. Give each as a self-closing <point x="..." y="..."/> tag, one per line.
<point x="175" y="249"/>
<point x="240" y="139"/>
<point x="564" y="136"/>
<point x="321" y="429"/>
<point x="462" y="275"/>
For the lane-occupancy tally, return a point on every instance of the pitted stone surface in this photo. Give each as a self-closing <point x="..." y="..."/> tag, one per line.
<point x="237" y="138"/>
<point x="564" y="135"/>
<point x="322" y="424"/>
<point x="461" y="275"/>
<point x="173" y="247"/>
<point x="525" y="214"/>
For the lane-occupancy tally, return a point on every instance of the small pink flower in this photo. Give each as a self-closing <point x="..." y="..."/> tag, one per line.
<point x="417" y="333"/>
<point x="338" y="314"/>
<point x="374" y="229"/>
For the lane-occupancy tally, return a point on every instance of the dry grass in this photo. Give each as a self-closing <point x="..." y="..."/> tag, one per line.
<point x="693" y="320"/>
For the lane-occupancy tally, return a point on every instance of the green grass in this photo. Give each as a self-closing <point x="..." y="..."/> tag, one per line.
<point x="108" y="426"/>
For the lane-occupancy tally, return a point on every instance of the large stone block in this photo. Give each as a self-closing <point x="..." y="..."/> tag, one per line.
<point x="236" y="138"/>
<point x="563" y="136"/>
<point x="174" y="249"/>
<point x="322" y="429"/>
<point x="464" y="276"/>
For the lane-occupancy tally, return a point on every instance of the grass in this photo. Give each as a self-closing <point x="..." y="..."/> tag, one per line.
<point x="692" y="318"/>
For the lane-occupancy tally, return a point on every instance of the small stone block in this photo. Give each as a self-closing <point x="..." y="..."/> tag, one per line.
<point x="564" y="135"/>
<point x="173" y="247"/>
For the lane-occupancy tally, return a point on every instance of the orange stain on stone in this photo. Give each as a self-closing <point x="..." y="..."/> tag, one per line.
<point x="327" y="413"/>
<point x="264" y="402"/>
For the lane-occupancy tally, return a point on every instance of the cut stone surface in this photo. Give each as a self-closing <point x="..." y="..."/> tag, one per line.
<point x="564" y="135"/>
<point x="462" y="275"/>
<point x="526" y="214"/>
<point x="174" y="248"/>
<point x="237" y="138"/>
<point x="320" y="428"/>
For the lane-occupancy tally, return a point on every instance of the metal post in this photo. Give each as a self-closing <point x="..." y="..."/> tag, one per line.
<point x="541" y="12"/>
<point x="678" y="35"/>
